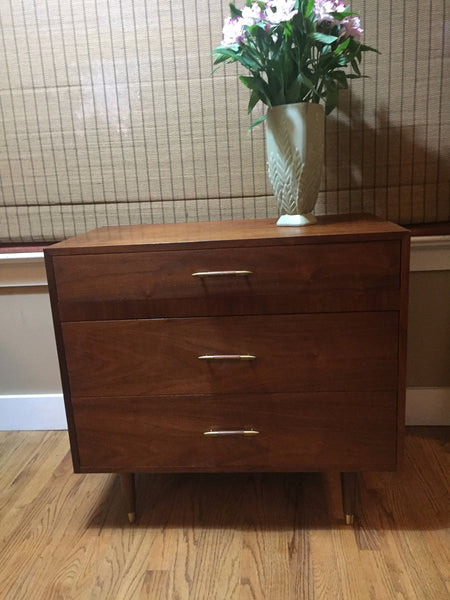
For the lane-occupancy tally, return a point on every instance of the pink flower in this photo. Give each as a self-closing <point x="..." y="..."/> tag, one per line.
<point x="284" y="11"/>
<point x="323" y="9"/>
<point x="233" y="31"/>
<point x="351" y="28"/>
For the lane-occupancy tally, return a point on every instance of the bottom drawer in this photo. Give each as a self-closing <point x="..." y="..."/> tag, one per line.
<point x="296" y="432"/>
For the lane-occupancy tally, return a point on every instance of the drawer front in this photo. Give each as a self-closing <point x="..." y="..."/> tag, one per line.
<point x="349" y="351"/>
<point x="277" y="279"/>
<point x="345" y="431"/>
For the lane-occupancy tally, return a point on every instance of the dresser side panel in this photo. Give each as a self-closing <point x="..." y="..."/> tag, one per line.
<point x="402" y="352"/>
<point x="61" y="349"/>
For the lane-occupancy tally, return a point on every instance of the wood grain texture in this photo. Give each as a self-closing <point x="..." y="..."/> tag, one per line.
<point x="326" y="352"/>
<point x="170" y="274"/>
<point x="280" y="280"/>
<point x="53" y="295"/>
<point x="403" y="342"/>
<point x="221" y="537"/>
<point x="319" y="310"/>
<point x="297" y="432"/>
<point x="226" y="234"/>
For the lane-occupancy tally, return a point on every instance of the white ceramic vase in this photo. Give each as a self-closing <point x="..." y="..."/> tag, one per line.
<point x="295" y="151"/>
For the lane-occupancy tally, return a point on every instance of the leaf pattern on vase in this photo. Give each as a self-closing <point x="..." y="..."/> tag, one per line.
<point x="295" y="158"/>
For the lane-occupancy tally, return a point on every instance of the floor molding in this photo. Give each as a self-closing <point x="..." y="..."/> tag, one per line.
<point x="430" y="253"/>
<point x="428" y="406"/>
<point x="32" y="412"/>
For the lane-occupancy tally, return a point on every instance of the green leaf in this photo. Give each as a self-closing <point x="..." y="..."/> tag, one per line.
<point x="322" y="37"/>
<point x="288" y="67"/>
<point x="356" y="67"/>
<point x="257" y="122"/>
<point x="248" y="62"/>
<point x="309" y="84"/>
<point x="309" y="8"/>
<point x="293" y="93"/>
<point x="342" y="46"/>
<point x="331" y="100"/>
<point x="227" y="50"/>
<point x="340" y="16"/>
<point x="250" y="82"/>
<point x="254" y="99"/>
<point x="276" y="85"/>
<point x="353" y="76"/>
<point x="235" y="12"/>
<point x="365" y="48"/>
<point x="220" y="59"/>
<point x="257" y="84"/>
<point x="341" y="78"/>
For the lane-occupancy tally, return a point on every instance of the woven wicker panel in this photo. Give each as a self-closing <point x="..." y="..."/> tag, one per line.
<point x="110" y="116"/>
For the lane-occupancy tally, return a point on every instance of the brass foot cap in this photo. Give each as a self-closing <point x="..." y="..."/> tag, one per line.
<point x="349" y="519"/>
<point x="131" y="517"/>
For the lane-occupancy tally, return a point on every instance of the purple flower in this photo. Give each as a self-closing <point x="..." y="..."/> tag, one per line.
<point x="284" y="11"/>
<point x="233" y="31"/>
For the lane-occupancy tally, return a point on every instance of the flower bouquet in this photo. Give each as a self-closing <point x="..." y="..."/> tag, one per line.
<point x="298" y="53"/>
<point x="295" y="50"/>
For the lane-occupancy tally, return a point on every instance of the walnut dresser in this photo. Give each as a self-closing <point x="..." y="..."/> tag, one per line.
<point x="233" y="346"/>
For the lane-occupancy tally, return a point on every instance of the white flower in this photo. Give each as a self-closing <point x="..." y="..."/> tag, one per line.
<point x="252" y="13"/>
<point x="233" y="31"/>
<point x="284" y="11"/>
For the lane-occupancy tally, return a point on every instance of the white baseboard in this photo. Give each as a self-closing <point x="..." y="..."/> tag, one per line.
<point x="428" y="406"/>
<point x="32" y="412"/>
<point x="424" y="406"/>
<point x="430" y="253"/>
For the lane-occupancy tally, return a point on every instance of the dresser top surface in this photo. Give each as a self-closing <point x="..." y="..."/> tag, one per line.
<point x="247" y="232"/>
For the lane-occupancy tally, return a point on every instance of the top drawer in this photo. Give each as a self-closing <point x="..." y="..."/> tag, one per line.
<point x="276" y="279"/>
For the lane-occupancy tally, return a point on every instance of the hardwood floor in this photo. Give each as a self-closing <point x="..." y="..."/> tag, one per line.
<point x="221" y="537"/>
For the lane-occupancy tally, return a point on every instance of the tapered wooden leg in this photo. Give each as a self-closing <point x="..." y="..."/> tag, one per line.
<point x="348" y="482"/>
<point x="129" y="493"/>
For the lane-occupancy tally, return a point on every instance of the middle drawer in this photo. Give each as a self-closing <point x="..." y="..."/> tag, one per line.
<point x="283" y="353"/>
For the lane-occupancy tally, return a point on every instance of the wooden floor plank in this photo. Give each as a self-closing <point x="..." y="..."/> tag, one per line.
<point x="207" y="554"/>
<point x="24" y="456"/>
<point x="221" y="537"/>
<point x="155" y="586"/>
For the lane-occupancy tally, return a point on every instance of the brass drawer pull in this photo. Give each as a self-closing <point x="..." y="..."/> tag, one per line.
<point x="222" y="274"/>
<point x="227" y="357"/>
<point x="231" y="432"/>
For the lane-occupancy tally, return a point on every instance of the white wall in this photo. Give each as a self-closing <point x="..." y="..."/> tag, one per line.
<point x="28" y="360"/>
<point x="30" y="387"/>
